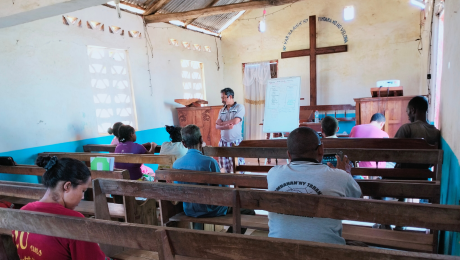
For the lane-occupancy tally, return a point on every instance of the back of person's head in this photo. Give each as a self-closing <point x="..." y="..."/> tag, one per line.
<point x="378" y="117"/>
<point x="302" y="142"/>
<point x="228" y="92"/>
<point x="114" y="129"/>
<point x="65" y="169"/>
<point x="329" y="125"/>
<point x="125" y="132"/>
<point x="174" y="133"/>
<point x="191" y="136"/>
<point x="419" y="103"/>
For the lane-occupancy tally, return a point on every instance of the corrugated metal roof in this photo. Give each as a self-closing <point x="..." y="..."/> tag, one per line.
<point x="211" y="23"/>
<point x="141" y="3"/>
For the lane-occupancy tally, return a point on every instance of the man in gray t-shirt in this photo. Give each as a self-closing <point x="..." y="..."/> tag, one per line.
<point x="306" y="174"/>
<point x="230" y="122"/>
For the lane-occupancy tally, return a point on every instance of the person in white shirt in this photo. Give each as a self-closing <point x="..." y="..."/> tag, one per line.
<point x="230" y="122"/>
<point x="306" y="174"/>
<point x="175" y="146"/>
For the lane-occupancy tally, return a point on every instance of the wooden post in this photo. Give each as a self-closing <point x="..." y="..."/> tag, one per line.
<point x="8" y="249"/>
<point x="236" y="212"/>
<point x="101" y="211"/>
<point x="313" y="60"/>
<point x="164" y="246"/>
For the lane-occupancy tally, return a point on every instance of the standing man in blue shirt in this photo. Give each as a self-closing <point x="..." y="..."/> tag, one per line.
<point x="230" y="122"/>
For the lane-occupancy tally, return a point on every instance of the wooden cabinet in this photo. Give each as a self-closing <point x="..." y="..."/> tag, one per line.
<point x="203" y="117"/>
<point x="394" y="109"/>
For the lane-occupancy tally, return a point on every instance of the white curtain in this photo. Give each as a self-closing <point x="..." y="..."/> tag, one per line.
<point x="255" y="80"/>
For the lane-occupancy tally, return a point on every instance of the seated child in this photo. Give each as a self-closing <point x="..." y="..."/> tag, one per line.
<point x="127" y="138"/>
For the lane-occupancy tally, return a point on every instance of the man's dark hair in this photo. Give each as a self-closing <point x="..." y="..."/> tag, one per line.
<point x="329" y="125"/>
<point x="419" y="103"/>
<point x="174" y="133"/>
<point x="379" y="117"/>
<point x="228" y="92"/>
<point x="302" y="140"/>
<point x="191" y="135"/>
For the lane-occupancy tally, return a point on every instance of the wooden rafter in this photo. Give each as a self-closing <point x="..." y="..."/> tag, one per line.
<point x="215" y="10"/>
<point x="132" y="5"/>
<point x="189" y="21"/>
<point x="156" y="6"/>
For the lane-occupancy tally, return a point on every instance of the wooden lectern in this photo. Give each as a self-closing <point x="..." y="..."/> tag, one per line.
<point x="393" y="107"/>
<point x="203" y="117"/>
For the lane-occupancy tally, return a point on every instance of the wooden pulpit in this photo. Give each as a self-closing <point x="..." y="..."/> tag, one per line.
<point x="203" y="117"/>
<point x="394" y="109"/>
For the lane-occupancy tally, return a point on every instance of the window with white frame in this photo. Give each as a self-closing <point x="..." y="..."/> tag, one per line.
<point x="111" y="86"/>
<point x="193" y="79"/>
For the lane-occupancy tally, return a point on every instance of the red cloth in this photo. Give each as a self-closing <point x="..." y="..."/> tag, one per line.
<point x="41" y="247"/>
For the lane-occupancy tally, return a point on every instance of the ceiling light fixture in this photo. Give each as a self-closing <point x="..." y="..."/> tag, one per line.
<point x="418" y="3"/>
<point x="262" y="25"/>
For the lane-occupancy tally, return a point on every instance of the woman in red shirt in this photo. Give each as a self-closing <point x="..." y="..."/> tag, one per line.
<point x="66" y="180"/>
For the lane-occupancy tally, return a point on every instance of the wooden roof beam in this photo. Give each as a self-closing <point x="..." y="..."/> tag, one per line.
<point x="223" y="9"/>
<point x="156" y="6"/>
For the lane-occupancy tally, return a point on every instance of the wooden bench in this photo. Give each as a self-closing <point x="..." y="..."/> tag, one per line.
<point x="106" y="148"/>
<point x="393" y="188"/>
<point x="23" y="169"/>
<point x="436" y="217"/>
<point x="134" y="208"/>
<point x="385" y="238"/>
<point x="363" y="143"/>
<point x="120" y="158"/>
<point x="21" y="193"/>
<point x="182" y="244"/>
<point x="422" y="156"/>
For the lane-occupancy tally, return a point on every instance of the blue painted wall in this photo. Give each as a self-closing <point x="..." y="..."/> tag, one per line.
<point x="28" y="156"/>
<point x="450" y="194"/>
<point x="344" y="126"/>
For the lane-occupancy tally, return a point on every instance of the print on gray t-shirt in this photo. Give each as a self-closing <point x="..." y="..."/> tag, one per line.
<point x="310" y="178"/>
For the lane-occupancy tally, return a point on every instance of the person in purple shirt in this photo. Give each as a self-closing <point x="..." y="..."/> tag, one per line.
<point x="127" y="138"/>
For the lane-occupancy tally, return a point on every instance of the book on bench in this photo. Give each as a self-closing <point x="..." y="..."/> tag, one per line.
<point x="102" y="163"/>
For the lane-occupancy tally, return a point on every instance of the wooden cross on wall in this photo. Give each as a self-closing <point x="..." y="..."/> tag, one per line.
<point x="312" y="52"/>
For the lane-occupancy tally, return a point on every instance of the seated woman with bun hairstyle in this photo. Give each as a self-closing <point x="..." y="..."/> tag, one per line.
<point x="175" y="147"/>
<point x="66" y="179"/>
<point x="114" y="131"/>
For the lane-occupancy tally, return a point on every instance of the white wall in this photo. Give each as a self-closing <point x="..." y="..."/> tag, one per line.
<point x="450" y="105"/>
<point x="382" y="45"/>
<point x="45" y="80"/>
<point x="166" y="67"/>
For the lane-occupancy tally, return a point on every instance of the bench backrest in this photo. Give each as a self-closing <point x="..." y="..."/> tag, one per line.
<point x="439" y="217"/>
<point x="363" y="143"/>
<point x="39" y="171"/>
<point x="121" y="158"/>
<point x="106" y="148"/>
<point x="399" y="189"/>
<point x="415" y="156"/>
<point x="171" y="242"/>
